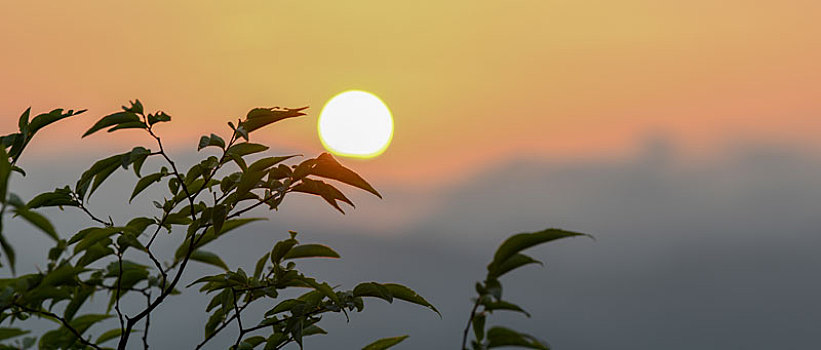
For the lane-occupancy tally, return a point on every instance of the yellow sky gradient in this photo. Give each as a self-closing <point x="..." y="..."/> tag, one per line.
<point x="470" y="83"/>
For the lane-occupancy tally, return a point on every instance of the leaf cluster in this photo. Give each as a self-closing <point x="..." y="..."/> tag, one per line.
<point x="202" y="204"/>
<point x="507" y="258"/>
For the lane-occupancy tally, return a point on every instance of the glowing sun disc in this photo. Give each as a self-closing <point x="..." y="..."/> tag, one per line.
<point x="355" y="124"/>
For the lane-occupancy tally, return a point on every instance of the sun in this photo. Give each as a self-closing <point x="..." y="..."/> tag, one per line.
<point x="355" y="123"/>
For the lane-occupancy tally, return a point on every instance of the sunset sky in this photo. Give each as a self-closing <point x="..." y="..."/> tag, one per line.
<point x="470" y="83"/>
<point x="682" y="134"/>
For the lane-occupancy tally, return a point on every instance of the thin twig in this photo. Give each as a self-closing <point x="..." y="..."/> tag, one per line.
<point x="239" y="319"/>
<point x="470" y="321"/>
<point x="119" y="287"/>
<point x="147" y="320"/>
<point x="64" y="322"/>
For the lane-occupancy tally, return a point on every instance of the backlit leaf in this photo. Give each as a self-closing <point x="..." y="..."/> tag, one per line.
<point x="327" y="166"/>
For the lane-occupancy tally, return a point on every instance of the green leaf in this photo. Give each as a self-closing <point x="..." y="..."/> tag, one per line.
<point x="144" y="182"/>
<point x="261" y="265"/>
<point x="8" y="333"/>
<point x="479" y="326"/>
<point x="84" y="322"/>
<point x="82" y="293"/>
<point x="38" y="221"/>
<point x="522" y="241"/>
<point x="93" y="236"/>
<point x="501" y="336"/>
<point x="373" y="289"/>
<point x="404" y="293"/>
<point x="310" y="251"/>
<point x="385" y="343"/>
<point x="23" y="122"/>
<point x="323" y="288"/>
<point x="329" y="193"/>
<point x="60" y="197"/>
<point x="5" y="173"/>
<point x="249" y="181"/>
<point x="7" y="249"/>
<point x="113" y="120"/>
<point x="109" y="335"/>
<point x="327" y="166"/>
<point x="491" y="305"/>
<point x="259" y="117"/>
<point x="283" y="306"/>
<point x="129" y="125"/>
<point x="208" y="258"/>
<point x="209" y="235"/>
<point x="43" y="120"/>
<point x="158" y="117"/>
<point x="515" y="261"/>
<point x="250" y="343"/>
<point x="245" y="148"/>
<point x="136" y="107"/>
<point x="65" y="274"/>
<point x="313" y="330"/>
<point x="265" y="163"/>
<point x="97" y="174"/>
<point x="213" y="140"/>
<point x="127" y="240"/>
<point x="281" y="248"/>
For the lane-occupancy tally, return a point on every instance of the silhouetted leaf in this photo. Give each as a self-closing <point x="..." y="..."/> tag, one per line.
<point x="144" y="182"/>
<point x="45" y="119"/>
<point x="213" y="140"/>
<point x="327" y="166"/>
<point x="5" y="172"/>
<point x="8" y="333"/>
<point x="109" y="335"/>
<point x="329" y="193"/>
<point x="522" y="241"/>
<point x="84" y="322"/>
<point x="404" y="293"/>
<point x="310" y="251"/>
<point x="259" y="117"/>
<point x="515" y="261"/>
<point x="261" y="265"/>
<point x="208" y="258"/>
<point x="60" y="197"/>
<point x="501" y="336"/>
<point x="479" y="326"/>
<point x="113" y="120"/>
<point x="7" y="249"/>
<point x="61" y="275"/>
<point x="385" y="343"/>
<point x="158" y="117"/>
<point x="323" y="288"/>
<point x="209" y="235"/>
<point x="373" y="289"/>
<point x="503" y="305"/>
<point x="38" y="221"/>
<point x="245" y="148"/>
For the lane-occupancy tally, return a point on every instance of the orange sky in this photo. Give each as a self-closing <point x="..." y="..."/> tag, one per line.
<point x="470" y="83"/>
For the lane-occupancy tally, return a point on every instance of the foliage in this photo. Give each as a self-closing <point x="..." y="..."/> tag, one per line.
<point x="201" y="205"/>
<point x="489" y="299"/>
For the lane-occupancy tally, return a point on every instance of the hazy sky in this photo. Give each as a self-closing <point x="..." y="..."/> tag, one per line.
<point x="682" y="134"/>
<point x="469" y="82"/>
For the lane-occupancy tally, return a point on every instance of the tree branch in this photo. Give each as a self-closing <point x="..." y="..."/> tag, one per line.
<point x="63" y="321"/>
